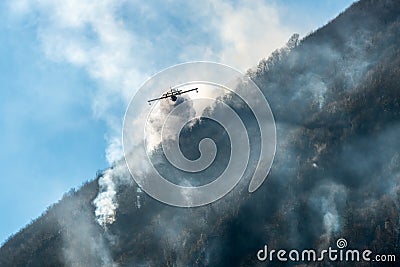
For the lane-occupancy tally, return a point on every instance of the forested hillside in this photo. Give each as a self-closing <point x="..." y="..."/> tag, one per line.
<point x="335" y="96"/>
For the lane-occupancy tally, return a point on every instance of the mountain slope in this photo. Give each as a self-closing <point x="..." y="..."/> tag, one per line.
<point x="336" y="100"/>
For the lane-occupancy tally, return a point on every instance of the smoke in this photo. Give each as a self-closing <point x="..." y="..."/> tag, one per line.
<point x="329" y="199"/>
<point x="155" y="129"/>
<point x="106" y="202"/>
<point x="83" y="244"/>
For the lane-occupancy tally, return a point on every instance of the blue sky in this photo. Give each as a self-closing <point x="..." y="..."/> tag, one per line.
<point x="69" y="68"/>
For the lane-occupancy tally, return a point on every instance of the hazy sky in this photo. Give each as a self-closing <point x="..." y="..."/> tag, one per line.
<point x="68" y="69"/>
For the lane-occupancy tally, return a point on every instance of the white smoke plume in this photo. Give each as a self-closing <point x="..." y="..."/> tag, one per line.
<point x="328" y="199"/>
<point x="105" y="202"/>
<point x="83" y="244"/>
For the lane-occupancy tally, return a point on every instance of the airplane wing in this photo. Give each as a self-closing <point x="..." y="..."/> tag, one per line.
<point x="151" y="100"/>
<point x="194" y="89"/>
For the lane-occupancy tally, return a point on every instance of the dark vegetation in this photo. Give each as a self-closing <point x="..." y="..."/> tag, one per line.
<point x="336" y="99"/>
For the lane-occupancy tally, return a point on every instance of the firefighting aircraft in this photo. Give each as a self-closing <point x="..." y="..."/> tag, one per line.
<point x="172" y="94"/>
